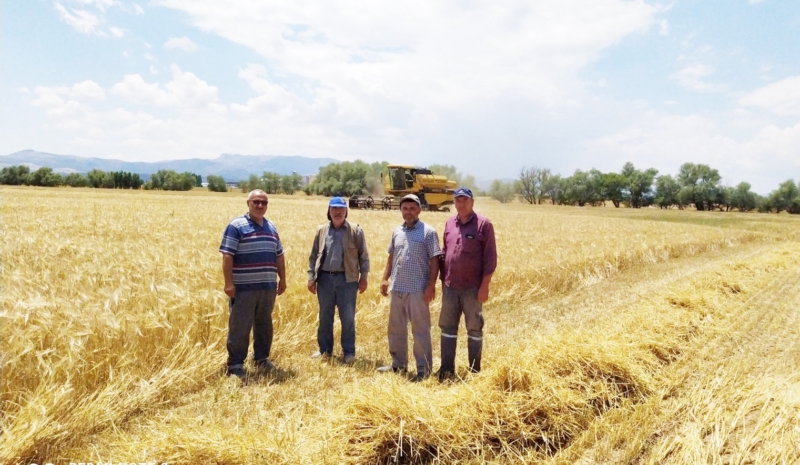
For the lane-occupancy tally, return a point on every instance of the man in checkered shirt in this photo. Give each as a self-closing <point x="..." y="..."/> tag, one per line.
<point x="413" y="266"/>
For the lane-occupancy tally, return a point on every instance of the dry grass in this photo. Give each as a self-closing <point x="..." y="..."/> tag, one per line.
<point x="113" y="327"/>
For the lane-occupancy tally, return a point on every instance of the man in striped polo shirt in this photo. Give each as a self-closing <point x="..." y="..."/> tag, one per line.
<point x="255" y="272"/>
<point x="413" y="266"/>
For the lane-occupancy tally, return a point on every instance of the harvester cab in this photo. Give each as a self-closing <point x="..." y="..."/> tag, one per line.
<point x="435" y="192"/>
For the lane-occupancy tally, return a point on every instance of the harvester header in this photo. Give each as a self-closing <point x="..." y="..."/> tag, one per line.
<point x="435" y="191"/>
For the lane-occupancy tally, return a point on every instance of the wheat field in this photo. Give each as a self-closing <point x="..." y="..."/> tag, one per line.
<point x="612" y="336"/>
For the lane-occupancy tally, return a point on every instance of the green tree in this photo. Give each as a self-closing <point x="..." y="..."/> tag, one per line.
<point x="742" y="198"/>
<point x="76" y="180"/>
<point x="170" y="180"/>
<point x="95" y="177"/>
<point x="785" y="198"/>
<point x="699" y="185"/>
<point x="14" y="175"/>
<point x="639" y="188"/>
<point x="271" y="182"/>
<point x="348" y="178"/>
<point x="291" y="183"/>
<point x="613" y="188"/>
<point x="108" y="181"/>
<point x="580" y="188"/>
<point x="667" y="189"/>
<point x="216" y="183"/>
<point x="45" y="176"/>
<point x="503" y="192"/>
<point x="529" y="184"/>
<point x="551" y="186"/>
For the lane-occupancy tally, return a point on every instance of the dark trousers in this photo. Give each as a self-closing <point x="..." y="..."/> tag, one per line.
<point x="251" y="310"/>
<point x="456" y="302"/>
<point x="334" y="291"/>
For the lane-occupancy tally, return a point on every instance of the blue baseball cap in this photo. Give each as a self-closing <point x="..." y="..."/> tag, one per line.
<point x="463" y="192"/>
<point x="338" y="202"/>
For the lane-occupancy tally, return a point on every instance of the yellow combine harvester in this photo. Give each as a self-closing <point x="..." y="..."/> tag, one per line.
<point x="435" y="192"/>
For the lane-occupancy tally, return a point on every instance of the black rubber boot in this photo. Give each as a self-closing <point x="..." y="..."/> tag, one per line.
<point x="448" y="356"/>
<point x="474" y="349"/>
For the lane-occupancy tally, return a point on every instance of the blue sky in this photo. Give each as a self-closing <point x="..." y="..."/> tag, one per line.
<point x="486" y="86"/>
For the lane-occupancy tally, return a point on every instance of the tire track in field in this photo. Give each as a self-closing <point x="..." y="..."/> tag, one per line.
<point x="592" y="305"/>
<point x="733" y="396"/>
<point x="740" y="390"/>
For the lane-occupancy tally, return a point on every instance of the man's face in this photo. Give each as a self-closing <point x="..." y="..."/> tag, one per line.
<point x="337" y="215"/>
<point x="258" y="205"/>
<point x="464" y="205"/>
<point x="410" y="211"/>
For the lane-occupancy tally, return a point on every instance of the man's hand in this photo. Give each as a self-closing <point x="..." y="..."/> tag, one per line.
<point x="430" y="292"/>
<point x="483" y="293"/>
<point x="312" y="286"/>
<point x="230" y="290"/>
<point x="281" y="286"/>
<point x="385" y="288"/>
<point x="362" y="285"/>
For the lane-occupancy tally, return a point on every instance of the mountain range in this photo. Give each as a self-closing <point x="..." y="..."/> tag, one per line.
<point x="232" y="167"/>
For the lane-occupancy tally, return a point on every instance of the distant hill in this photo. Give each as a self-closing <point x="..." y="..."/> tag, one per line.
<point x="232" y="167"/>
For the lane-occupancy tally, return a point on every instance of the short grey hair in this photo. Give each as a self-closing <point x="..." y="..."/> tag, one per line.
<point x="254" y="193"/>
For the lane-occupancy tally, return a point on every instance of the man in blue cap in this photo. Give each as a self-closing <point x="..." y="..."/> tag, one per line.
<point x="337" y="270"/>
<point x="470" y="259"/>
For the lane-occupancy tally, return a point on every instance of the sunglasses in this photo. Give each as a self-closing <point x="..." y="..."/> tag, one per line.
<point x="260" y="203"/>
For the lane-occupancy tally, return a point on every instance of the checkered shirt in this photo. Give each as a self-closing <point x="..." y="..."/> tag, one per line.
<point x="411" y="250"/>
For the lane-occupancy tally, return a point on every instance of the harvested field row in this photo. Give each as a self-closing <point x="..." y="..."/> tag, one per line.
<point x="543" y="402"/>
<point x="557" y="386"/>
<point x="733" y="398"/>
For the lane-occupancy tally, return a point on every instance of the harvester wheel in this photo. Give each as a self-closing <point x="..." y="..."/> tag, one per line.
<point x="387" y="203"/>
<point x="445" y="209"/>
<point x="368" y="203"/>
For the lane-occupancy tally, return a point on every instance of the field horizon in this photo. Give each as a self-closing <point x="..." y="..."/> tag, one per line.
<point x="612" y="336"/>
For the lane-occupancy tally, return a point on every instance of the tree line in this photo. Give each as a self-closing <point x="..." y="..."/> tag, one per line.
<point x="271" y="183"/>
<point x="695" y="185"/>
<point x="20" y="175"/>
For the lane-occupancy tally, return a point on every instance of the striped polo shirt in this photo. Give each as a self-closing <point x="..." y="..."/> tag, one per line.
<point x="411" y="250"/>
<point x="255" y="250"/>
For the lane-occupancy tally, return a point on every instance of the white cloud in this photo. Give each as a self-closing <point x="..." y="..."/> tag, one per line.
<point x="666" y="142"/>
<point x="429" y="56"/>
<point x="181" y="43"/>
<point x="138" y="9"/>
<point x="149" y="57"/>
<point x="99" y="4"/>
<point x="753" y="2"/>
<point x="153" y="70"/>
<point x="116" y="32"/>
<point x="86" y="91"/>
<point x="781" y="98"/>
<point x="663" y="27"/>
<point x="693" y="77"/>
<point x="184" y="90"/>
<point x="81" y="20"/>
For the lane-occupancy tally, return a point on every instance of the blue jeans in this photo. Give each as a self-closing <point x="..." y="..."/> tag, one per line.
<point x="334" y="291"/>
